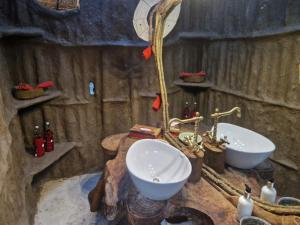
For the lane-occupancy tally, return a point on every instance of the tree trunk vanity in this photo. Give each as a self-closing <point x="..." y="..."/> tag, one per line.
<point x="210" y="200"/>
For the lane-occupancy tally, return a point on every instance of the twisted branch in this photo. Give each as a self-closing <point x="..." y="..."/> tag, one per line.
<point x="161" y="11"/>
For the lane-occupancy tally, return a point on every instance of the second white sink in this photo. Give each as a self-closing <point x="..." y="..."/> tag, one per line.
<point x="157" y="169"/>
<point x="246" y="148"/>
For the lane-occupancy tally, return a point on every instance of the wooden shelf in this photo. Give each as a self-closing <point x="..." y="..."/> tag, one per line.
<point x="205" y="84"/>
<point x="49" y="95"/>
<point x="28" y="32"/>
<point x="36" y="165"/>
<point x="285" y="162"/>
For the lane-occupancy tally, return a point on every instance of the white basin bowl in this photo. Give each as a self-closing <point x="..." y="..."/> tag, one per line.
<point x="246" y="148"/>
<point x="157" y="169"/>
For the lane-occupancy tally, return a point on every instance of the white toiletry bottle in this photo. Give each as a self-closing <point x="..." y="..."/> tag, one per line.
<point x="245" y="204"/>
<point x="268" y="192"/>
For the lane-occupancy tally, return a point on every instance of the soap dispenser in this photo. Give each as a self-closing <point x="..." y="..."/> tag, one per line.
<point x="245" y="204"/>
<point x="268" y="192"/>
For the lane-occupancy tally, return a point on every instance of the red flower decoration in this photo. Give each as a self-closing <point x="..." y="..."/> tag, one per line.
<point x="157" y="103"/>
<point x="23" y="86"/>
<point x="147" y="53"/>
<point x="46" y="84"/>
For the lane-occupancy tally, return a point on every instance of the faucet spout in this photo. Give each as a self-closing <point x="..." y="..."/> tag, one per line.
<point x="217" y="115"/>
<point x="197" y="119"/>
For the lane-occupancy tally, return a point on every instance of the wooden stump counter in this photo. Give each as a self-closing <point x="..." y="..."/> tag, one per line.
<point x="199" y="200"/>
<point x="142" y="210"/>
<point x="111" y="143"/>
<point x="204" y="198"/>
<point x="111" y="194"/>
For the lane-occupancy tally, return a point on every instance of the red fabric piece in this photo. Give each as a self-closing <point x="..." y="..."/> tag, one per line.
<point x="46" y="84"/>
<point x="147" y="53"/>
<point x="186" y="74"/>
<point x="157" y="103"/>
<point x="39" y="146"/>
<point x="23" y="86"/>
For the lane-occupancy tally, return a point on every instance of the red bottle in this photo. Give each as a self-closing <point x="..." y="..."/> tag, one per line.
<point x="48" y="138"/>
<point x="38" y="142"/>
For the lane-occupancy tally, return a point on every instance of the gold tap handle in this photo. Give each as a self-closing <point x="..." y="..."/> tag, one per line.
<point x="215" y="129"/>
<point x="196" y="128"/>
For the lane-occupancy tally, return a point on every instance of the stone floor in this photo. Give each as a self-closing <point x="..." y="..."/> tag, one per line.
<point x="65" y="202"/>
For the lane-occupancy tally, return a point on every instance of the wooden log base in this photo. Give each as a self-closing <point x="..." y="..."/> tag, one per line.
<point x="111" y="143"/>
<point x="95" y="196"/>
<point x="116" y="181"/>
<point x="214" y="155"/>
<point x="196" y="160"/>
<point x="144" y="211"/>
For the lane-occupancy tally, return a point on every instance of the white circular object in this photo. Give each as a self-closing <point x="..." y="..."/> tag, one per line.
<point x="140" y="19"/>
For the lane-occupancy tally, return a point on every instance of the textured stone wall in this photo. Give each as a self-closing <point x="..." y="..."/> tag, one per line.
<point x="125" y="85"/>
<point x="261" y="76"/>
<point x="109" y="22"/>
<point x="12" y="183"/>
<point x="250" y="50"/>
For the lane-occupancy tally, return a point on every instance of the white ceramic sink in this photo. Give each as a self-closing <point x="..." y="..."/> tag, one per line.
<point x="246" y="148"/>
<point x="157" y="169"/>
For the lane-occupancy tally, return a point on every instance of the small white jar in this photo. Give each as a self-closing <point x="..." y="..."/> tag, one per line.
<point x="268" y="192"/>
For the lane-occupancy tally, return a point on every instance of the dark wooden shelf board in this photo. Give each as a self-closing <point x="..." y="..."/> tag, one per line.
<point x="29" y="32"/>
<point x="36" y="165"/>
<point x="49" y="95"/>
<point x="205" y="84"/>
<point x="285" y="162"/>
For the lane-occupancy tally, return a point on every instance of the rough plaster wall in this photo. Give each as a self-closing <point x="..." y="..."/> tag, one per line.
<point x="219" y="18"/>
<point x="225" y="50"/>
<point x="74" y="116"/>
<point x="109" y="22"/>
<point x="125" y="85"/>
<point x="12" y="184"/>
<point x="261" y="76"/>
<point x="125" y="88"/>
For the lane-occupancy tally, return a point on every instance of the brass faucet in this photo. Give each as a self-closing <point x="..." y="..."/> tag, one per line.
<point x="192" y="142"/>
<point x="194" y="146"/>
<point x="216" y="116"/>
